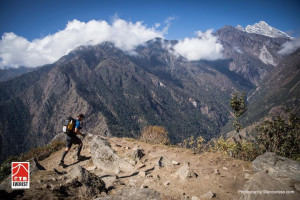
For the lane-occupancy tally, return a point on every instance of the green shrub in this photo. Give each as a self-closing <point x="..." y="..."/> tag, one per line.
<point x="155" y="135"/>
<point x="196" y="144"/>
<point x="280" y="136"/>
<point x="243" y="150"/>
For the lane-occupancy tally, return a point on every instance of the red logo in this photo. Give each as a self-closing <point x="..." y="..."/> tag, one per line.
<point x="20" y="178"/>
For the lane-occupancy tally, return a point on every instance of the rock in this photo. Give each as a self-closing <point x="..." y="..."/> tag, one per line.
<point x="92" y="184"/>
<point x="163" y="162"/>
<point x="262" y="183"/>
<point x="92" y="168"/>
<point x="133" y="194"/>
<point x="144" y="186"/>
<point x="175" y="162"/>
<point x="140" y="165"/>
<point x="167" y="183"/>
<point x="45" y="186"/>
<point x="137" y="154"/>
<point x="248" y="176"/>
<point x="208" y="195"/>
<point x="156" y="177"/>
<point x="216" y="172"/>
<point x="277" y="166"/>
<point x="111" y="181"/>
<point x="105" y="158"/>
<point x="225" y="168"/>
<point x="185" y="172"/>
<point x="35" y="166"/>
<point x="142" y="174"/>
<point x="195" y="198"/>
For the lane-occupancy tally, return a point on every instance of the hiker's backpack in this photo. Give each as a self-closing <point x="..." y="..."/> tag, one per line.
<point x="69" y="125"/>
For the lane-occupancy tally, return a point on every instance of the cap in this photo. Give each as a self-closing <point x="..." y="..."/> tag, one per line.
<point x="81" y="115"/>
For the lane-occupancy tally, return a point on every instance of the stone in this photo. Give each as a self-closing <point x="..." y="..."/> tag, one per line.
<point x="140" y="165"/>
<point x="164" y="162"/>
<point x="35" y="166"/>
<point x="45" y="186"/>
<point x="91" y="168"/>
<point x="195" y="198"/>
<point x="264" y="182"/>
<point x="216" y="172"/>
<point x="105" y="158"/>
<point x="137" y="154"/>
<point x="247" y="176"/>
<point x="133" y="194"/>
<point x="277" y="166"/>
<point x="175" y="162"/>
<point x="111" y="181"/>
<point x="92" y="184"/>
<point x="142" y="174"/>
<point x="208" y="195"/>
<point x="144" y="186"/>
<point x="156" y="176"/>
<point x="225" y="168"/>
<point x="167" y="183"/>
<point x="185" y="172"/>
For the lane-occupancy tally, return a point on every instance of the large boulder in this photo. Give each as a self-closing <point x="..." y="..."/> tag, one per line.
<point x="262" y="186"/>
<point x="133" y="194"/>
<point x="105" y="158"/>
<point x="92" y="184"/>
<point x="277" y="166"/>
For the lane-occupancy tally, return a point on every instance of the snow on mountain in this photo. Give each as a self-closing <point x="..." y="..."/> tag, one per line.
<point x="263" y="28"/>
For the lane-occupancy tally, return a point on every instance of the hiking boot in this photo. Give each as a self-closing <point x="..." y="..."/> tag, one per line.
<point x="61" y="163"/>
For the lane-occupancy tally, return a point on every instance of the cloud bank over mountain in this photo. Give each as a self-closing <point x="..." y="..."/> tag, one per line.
<point x="290" y="46"/>
<point x="205" y="46"/>
<point x="17" y="51"/>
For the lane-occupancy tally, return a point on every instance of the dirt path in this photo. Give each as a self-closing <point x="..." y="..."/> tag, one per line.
<point x="225" y="184"/>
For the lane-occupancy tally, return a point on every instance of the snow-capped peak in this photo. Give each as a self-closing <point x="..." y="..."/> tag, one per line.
<point x="263" y="28"/>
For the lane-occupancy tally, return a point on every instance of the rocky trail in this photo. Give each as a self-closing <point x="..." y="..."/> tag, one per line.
<point x="123" y="168"/>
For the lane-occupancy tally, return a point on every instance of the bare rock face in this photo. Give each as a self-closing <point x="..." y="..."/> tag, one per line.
<point x="277" y="166"/>
<point x="275" y="179"/>
<point x="133" y="194"/>
<point x="92" y="184"/>
<point x="106" y="159"/>
<point x="265" y="187"/>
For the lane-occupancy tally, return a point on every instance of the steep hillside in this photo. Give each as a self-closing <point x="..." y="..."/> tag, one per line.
<point x="280" y="89"/>
<point x="253" y="55"/>
<point x="118" y="92"/>
<point x="10" y="73"/>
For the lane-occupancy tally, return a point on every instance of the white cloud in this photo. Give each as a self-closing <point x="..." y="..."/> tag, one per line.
<point x="18" y="51"/>
<point x="290" y="46"/>
<point x="205" y="46"/>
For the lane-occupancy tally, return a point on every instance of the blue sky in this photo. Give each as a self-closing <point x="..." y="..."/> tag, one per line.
<point x="37" y="18"/>
<point x="37" y="32"/>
